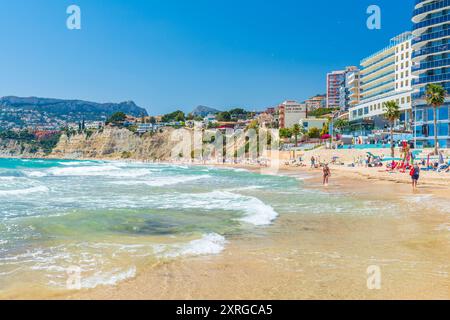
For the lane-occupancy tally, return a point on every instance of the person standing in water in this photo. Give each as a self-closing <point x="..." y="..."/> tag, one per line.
<point x="415" y="175"/>
<point x="326" y="174"/>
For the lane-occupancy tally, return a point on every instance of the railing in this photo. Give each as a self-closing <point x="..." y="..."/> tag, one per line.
<point x="432" y="64"/>
<point x="432" y="79"/>
<point x="378" y="61"/>
<point x="431" y="7"/>
<point x="364" y="98"/>
<point x="432" y="21"/>
<point x="431" y="36"/>
<point x="431" y="50"/>
<point x="377" y="78"/>
<point x="376" y="70"/>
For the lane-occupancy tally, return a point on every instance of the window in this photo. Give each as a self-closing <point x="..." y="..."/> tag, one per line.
<point x="443" y="113"/>
<point x="430" y="115"/>
<point x="443" y="129"/>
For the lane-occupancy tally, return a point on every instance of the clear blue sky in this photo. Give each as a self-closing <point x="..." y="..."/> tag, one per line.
<point x="171" y="54"/>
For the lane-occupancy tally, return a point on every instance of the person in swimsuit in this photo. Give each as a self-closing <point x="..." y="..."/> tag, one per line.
<point x="313" y="162"/>
<point x="326" y="174"/>
<point x="415" y="175"/>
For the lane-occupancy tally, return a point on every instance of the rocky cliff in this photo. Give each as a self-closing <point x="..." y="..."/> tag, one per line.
<point x="113" y="143"/>
<point x="10" y="148"/>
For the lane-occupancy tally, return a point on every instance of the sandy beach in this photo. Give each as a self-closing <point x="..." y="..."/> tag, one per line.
<point x="317" y="257"/>
<point x="324" y="256"/>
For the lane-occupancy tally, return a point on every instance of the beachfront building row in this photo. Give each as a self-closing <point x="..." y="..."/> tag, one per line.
<point x="431" y="50"/>
<point x="385" y="76"/>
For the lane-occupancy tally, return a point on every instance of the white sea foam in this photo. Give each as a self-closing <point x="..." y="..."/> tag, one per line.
<point x="21" y="192"/>
<point x="161" y="181"/>
<point x="209" y="244"/>
<point x="110" y="278"/>
<point x="107" y="171"/>
<point x="75" y="163"/>
<point x="35" y="174"/>
<point x="256" y="211"/>
<point x="7" y="178"/>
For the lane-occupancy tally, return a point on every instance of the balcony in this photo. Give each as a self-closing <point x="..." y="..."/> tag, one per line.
<point x="423" y="66"/>
<point x="421" y="26"/>
<point x="378" y="86"/>
<point x="420" y="13"/>
<point x="430" y="50"/>
<point x="431" y="36"/>
<point x="364" y="83"/>
<point x="373" y="72"/>
<point x="431" y="79"/>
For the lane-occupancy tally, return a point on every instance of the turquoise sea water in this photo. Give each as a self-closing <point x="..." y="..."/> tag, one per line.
<point x="109" y="218"/>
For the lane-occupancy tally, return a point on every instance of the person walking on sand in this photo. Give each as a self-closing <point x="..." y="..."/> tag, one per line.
<point x="313" y="162"/>
<point x="326" y="174"/>
<point x="415" y="175"/>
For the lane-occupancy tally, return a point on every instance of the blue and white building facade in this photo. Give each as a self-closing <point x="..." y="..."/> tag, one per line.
<point x="386" y="76"/>
<point x="431" y="64"/>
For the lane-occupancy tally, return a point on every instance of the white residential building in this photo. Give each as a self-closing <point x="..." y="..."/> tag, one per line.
<point x="290" y="113"/>
<point x="386" y="76"/>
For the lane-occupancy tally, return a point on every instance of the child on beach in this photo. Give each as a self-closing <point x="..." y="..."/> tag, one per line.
<point x="326" y="175"/>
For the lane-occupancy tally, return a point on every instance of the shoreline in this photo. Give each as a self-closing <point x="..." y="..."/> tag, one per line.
<point x="242" y="258"/>
<point x="243" y="270"/>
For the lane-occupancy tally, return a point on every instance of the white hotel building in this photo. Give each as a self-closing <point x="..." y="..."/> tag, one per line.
<point x="386" y="76"/>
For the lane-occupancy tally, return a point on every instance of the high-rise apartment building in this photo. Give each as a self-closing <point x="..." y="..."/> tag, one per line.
<point x="349" y="92"/>
<point x="386" y="76"/>
<point x="431" y="45"/>
<point x="335" y="80"/>
<point x="337" y="90"/>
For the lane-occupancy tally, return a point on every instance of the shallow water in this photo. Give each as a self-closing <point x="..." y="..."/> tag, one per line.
<point x="107" y="220"/>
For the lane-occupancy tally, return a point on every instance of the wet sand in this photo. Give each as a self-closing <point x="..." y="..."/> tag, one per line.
<point x="314" y="256"/>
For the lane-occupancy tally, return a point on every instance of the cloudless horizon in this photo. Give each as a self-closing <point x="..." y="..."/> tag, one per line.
<point x="172" y="54"/>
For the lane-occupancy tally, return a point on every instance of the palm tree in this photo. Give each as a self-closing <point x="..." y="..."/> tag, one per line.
<point x="296" y="131"/>
<point x="435" y="96"/>
<point x="341" y="124"/>
<point x="392" y="114"/>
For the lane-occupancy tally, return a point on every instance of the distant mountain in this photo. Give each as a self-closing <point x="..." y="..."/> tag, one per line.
<point x="65" y="107"/>
<point x="47" y="113"/>
<point x="202" y="111"/>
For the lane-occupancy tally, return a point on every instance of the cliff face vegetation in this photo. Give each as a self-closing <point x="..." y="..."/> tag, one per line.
<point x="113" y="143"/>
<point x="26" y="144"/>
<point x="10" y="148"/>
